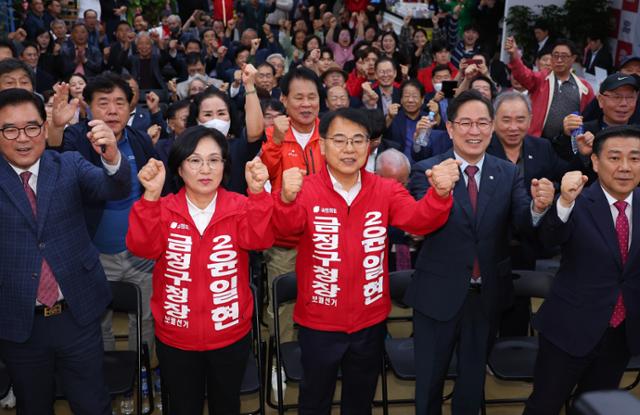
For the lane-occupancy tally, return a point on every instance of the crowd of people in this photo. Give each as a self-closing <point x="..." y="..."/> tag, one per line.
<point x="312" y="137"/>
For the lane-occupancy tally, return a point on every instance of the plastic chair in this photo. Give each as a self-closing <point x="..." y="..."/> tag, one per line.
<point x="513" y="358"/>
<point x="399" y="352"/>
<point x="252" y="380"/>
<point x="607" y="403"/>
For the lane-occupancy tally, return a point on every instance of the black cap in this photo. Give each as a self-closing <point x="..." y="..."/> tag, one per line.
<point x="629" y="59"/>
<point x="617" y="80"/>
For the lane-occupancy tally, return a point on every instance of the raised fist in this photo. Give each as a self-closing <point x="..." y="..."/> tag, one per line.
<point x="571" y="186"/>
<point x="152" y="177"/>
<point x="256" y="174"/>
<point x="443" y="176"/>
<point x="542" y="193"/>
<point x="280" y="128"/>
<point x="291" y="184"/>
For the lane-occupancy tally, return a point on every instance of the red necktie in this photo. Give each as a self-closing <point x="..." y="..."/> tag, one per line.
<point x="622" y="229"/>
<point x="472" y="188"/>
<point x="48" y="287"/>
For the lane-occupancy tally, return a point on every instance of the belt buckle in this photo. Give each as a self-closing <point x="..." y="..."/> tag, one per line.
<point x="53" y="310"/>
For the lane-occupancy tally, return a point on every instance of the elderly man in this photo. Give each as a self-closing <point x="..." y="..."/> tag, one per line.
<point x="337" y="97"/>
<point x="15" y="74"/>
<point x="554" y="94"/>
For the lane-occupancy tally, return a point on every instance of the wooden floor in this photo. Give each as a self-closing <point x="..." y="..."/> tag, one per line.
<point x="397" y="388"/>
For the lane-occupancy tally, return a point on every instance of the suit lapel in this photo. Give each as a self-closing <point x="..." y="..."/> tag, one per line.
<point x="634" y="249"/>
<point x="11" y="184"/>
<point x="488" y="184"/>
<point x="601" y="214"/>
<point x="47" y="178"/>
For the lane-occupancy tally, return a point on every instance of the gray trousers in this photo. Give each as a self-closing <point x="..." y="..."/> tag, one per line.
<point x="125" y="266"/>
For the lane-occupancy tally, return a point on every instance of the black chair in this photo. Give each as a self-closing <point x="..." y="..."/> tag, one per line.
<point x="5" y="381"/>
<point x="252" y="380"/>
<point x="513" y="358"/>
<point x="122" y="368"/>
<point x="287" y="355"/>
<point x="399" y="352"/>
<point x="607" y="403"/>
<point x="633" y="366"/>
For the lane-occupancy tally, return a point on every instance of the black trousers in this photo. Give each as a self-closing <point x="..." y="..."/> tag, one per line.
<point x="58" y="347"/>
<point x="470" y="333"/>
<point x="187" y="374"/>
<point x="557" y="372"/>
<point x="358" y="355"/>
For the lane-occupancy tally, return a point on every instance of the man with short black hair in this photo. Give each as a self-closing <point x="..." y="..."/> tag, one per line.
<point x="589" y="324"/>
<point x="463" y="272"/>
<point x="78" y="55"/>
<point x="468" y="46"/>
<point x="341" y="216"/>
<point x="30" y="55"/>
<point x="597" y="55"/>
<point x="54" y="290"/>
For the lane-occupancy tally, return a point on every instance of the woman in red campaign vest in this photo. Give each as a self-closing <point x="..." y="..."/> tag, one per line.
<point x="202" y="303"/>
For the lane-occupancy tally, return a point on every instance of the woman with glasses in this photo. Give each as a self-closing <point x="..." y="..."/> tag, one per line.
<point x="200" y="238"/>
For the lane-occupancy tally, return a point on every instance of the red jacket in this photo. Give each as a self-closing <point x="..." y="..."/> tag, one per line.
<point x="342" y="254"/>
<point x="354" y="83"/>
<point x="425" y="76"/>
<point x="540" y="86"/>
<point x="288" y="154"/>
<point x="201" y="296"/>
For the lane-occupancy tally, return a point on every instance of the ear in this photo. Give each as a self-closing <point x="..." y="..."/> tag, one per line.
<point x="449" y="126"/>
<point x="595" y="162"/>
<point x="323" y="143"/>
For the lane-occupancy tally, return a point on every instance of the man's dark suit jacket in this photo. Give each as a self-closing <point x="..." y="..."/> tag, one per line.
<point x="58" y="234"/>
<point x="539" y="158"/>
<point x="93" y="65"/>
<point x="603" y="60"/>
<point x="75" y="139"/>
<point x="443" y="269"/>
<point x="577" y="311"/>
<point x="44" y="80"/>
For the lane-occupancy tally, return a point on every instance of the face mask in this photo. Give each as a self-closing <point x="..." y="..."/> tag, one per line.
<point x="437" y="86"/>
<point x="220" y="125"/>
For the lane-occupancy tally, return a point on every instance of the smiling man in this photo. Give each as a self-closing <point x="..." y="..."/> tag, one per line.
<point x="589" y="325"/>
<point x="54" y="290"/>
<point x="109" y="97"/>
<point x="463" y="272"/>
<point x="341" y="215"/>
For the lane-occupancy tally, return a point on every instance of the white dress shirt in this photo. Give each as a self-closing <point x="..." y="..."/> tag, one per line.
<point x="348" y="195"/>
<point x="565" y="212"/>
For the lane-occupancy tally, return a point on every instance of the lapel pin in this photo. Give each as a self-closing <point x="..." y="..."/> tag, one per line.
<point x="530" y="157"/>
<point x="490" y="177"/>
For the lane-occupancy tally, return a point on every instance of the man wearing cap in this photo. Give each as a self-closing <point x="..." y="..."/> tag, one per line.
<point x="617" y="99"/>
<point x="589" y="324"/>
<point x="629" y="66"/>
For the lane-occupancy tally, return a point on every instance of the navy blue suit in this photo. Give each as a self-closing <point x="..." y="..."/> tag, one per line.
<point x="394" y="137"/>
<point x="574" y="319"/>
<point x="34" y="347"/>
<point x="143" y="119"/>
<point x="447" y="314"/>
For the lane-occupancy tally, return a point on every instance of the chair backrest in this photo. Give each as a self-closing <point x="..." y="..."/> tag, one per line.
<point x="398" y="283"/>
<point x="534" y="284"/>
<point x="126" y="297"/>
<point x="607" y="403"/>
<point x="285" y="289"/>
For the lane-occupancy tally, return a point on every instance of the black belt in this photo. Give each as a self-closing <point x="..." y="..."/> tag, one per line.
<point x="54" y="310"/>
<point x="475" y="288"/>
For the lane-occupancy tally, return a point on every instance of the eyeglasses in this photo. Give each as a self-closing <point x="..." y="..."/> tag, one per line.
<point x="196" y="163"/>
<point x="560" y="56"/>
<point x="465" y="125"/>
<point x="618" y="99"/>
<point x="386" y="72"/>
<point x="358" y="141"/>
<point x="12" y="133"/>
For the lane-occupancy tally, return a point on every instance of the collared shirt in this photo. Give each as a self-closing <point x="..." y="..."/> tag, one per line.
<point x="371" y="162"/>
<point x="565" y="212"/>
<point x="33" y="183"/>
<point x="348" y="195"/>
<point x="202" y="217"/>
<point x="464" y="165"/>
<point x="386" y="101"/>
